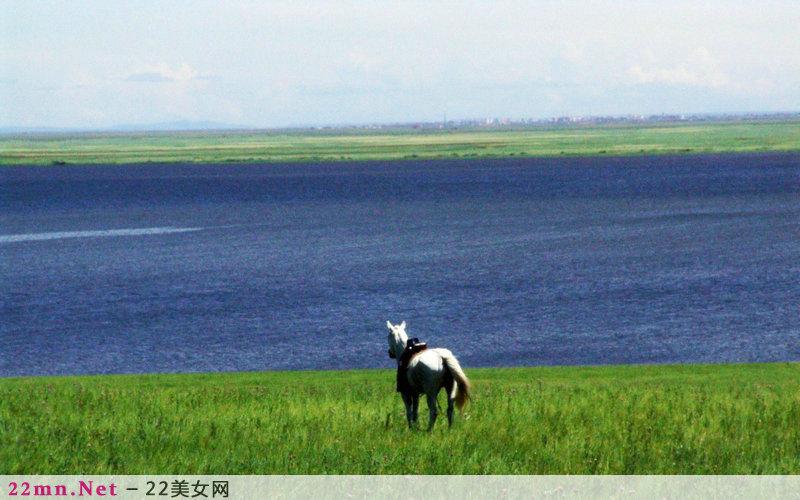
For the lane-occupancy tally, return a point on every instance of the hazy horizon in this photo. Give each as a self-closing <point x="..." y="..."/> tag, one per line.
<point x="88" y="65"/>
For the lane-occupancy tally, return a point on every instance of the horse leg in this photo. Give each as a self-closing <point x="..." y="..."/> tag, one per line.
<point x="412" y="404"/>
<point x="415" y="407"/>
<point x="451" y="397"/>
<point x="432" y="410"/>
<point x="409" y="402"/>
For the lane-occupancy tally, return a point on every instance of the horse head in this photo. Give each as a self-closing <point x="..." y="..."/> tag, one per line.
<point x="397" y="339"/>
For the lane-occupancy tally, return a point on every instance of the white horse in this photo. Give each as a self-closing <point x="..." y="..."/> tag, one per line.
<point x="429" y="371"/>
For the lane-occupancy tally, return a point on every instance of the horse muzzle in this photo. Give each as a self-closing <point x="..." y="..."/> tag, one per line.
<point x="391" y="354"/>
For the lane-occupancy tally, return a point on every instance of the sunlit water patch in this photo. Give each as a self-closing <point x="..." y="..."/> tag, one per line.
<point x="59" y="235"/>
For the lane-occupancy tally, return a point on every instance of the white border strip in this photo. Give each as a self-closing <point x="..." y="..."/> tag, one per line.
<point x="400" y="487"/>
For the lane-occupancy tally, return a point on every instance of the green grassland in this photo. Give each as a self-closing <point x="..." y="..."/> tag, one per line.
<point x="402" y="143"/>
<point x="685" y="419"/>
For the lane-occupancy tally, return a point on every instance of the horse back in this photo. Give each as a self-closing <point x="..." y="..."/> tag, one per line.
<point x="427" y="370"/>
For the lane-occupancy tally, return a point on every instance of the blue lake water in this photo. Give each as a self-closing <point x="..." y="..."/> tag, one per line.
<point x="182" y="268"/>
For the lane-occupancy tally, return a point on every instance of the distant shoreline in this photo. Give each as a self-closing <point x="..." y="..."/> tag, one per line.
<point x="403" y="143"/>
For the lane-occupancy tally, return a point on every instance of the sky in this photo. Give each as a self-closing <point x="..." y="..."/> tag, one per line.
<point x="97" y="64"/>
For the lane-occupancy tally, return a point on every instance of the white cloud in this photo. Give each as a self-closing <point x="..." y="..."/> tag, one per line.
<point x="679" y="75"/>
<point x="162" y="73"/>
<point x="698" y="69"/>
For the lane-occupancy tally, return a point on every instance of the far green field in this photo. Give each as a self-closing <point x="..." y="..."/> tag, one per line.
<point x="686" y="419"/>
<point x="402" y="143"/>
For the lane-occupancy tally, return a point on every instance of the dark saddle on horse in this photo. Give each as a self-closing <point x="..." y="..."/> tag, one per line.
<point x="413" y="347"/>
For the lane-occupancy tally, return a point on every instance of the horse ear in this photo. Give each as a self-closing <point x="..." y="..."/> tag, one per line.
<point x="403" y="325"/>
<point x="389" y="324"/>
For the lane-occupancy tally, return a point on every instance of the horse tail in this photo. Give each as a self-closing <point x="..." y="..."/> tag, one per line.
<point x="464" y="387"/>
